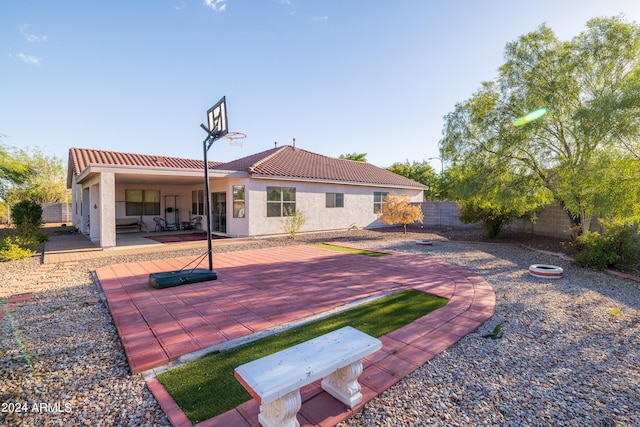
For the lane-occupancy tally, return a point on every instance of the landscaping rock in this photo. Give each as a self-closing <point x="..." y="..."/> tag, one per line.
<point x="568" y="353"/>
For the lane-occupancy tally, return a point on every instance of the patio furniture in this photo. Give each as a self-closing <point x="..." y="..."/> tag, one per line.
<point x="161" y="224"/>
<point x="196" y="223"/>
<point x="275" y="380"/>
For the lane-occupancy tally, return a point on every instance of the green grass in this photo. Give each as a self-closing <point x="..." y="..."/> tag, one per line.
<point x="350" y="250"/>
<point x="206" y="387"/>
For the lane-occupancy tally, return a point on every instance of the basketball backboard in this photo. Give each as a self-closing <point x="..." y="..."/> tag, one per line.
<point x="217" y="116"/>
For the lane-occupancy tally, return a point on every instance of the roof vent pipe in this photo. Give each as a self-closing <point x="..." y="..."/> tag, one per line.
<point x="275" y="144"/>
<point x="294" y="143"/>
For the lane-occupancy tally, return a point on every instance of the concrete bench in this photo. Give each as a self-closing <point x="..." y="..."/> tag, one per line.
<point x="275" y="380"/>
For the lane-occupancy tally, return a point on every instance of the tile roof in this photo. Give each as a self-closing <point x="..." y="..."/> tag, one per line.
<point x="292" y="162"/>
<point x="81" y="158"/>
<point x="284" y="162"/>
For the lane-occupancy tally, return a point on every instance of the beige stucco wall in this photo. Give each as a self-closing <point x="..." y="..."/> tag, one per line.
<point x="311" y="199"/>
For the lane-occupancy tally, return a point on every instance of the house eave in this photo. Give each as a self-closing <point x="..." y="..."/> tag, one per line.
<point x="93" y="169"/>
<point x="332" y="181"/>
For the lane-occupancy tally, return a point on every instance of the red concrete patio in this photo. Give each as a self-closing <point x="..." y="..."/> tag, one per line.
<point x="260" y="289"/>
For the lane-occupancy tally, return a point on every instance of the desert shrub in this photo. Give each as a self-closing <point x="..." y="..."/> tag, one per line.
<point x="493" y="219"/>
<point x="618" y="248"/>
<point x="12" y="249"/>
<point x="31" y="238"/>
<point x="26" y="214"/>
<point x="293" y="222"/>
<point x="398" y="209"/>
<point x="625" y="242"/>
<point x="595" y="251"/>
<point x="21" y="243"/>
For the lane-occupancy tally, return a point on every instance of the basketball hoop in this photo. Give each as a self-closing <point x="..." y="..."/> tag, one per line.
<point x="235" y="138"/>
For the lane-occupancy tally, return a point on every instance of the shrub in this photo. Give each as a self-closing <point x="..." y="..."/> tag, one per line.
<point x="397" y="209"/>
<point x="26" y="214"/>
<point x="625" y="241"/>
<point x="618" y="248"/>
<point x="11" y="249"/>
<point x="24" y="243"/>
<point x="293" y="222"/>
<point x="493" y="219"/>
<point x="595" y="251"/>
<point x="31" y="238"/>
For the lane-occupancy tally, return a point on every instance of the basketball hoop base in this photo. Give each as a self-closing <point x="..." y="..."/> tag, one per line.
<point x="169" y="279"/>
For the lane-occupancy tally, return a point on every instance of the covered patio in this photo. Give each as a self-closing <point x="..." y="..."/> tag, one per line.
<point x="165" y="205"/>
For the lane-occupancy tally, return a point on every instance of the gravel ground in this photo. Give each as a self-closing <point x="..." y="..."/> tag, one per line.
<point x="568" y="353"/>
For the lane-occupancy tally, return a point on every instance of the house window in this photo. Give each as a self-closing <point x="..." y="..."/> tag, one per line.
<point x="238" y="201"/>
<point x="281" y="201"/>
<point x="335" y="200"/>
<point x="197" y="202"/>
<point x="142" y="202"/>
<point x="378" y="201"/>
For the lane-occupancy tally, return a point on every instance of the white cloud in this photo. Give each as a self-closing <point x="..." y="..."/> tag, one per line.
<point x="217" y="5"/>
<point x="32" y="37"/>
<point x="27" y="59"/>
<point x="289" y="5"/>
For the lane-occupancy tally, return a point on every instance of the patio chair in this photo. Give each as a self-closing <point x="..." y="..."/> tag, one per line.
<point x="160" y="223"/>
<point x="196" y="223"/>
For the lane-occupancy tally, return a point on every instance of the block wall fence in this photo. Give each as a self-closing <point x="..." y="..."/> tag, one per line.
<point x="553" y="221"/>
<point x="56" y="212"/>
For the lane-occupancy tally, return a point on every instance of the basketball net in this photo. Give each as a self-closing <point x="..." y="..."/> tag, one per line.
<point x="236" y="139"/>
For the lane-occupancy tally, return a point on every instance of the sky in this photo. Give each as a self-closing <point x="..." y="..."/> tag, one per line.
<point x="339" y="76"/>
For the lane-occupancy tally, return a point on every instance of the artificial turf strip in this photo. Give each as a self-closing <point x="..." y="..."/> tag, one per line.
<point x="350" y="250"/>
<point x="206" y="387"/>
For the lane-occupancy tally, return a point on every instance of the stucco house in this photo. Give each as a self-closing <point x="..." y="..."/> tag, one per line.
<point x="114" y="191"/>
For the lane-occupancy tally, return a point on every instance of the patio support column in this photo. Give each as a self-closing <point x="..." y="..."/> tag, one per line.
<point x="107" y="207"/>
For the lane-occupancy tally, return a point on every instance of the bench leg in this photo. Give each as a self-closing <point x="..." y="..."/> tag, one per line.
<point x="343" y="384"/>
<point x="281" y="412"/>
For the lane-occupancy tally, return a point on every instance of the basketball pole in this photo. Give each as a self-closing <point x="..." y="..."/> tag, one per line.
<point x="217" y="117"/>
<point x="206" y="144"/>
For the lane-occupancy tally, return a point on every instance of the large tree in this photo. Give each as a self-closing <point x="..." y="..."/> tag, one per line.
<point x="591" y="88"/>
<point x="358" y="157"/>
<point x="13" y="170"/>
<point x="43" y="179"/>
<point x="421" y="172"/>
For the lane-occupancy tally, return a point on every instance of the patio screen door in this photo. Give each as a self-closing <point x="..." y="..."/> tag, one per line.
<point x="219" y="212"/>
